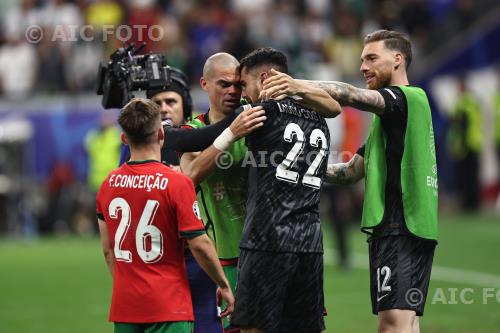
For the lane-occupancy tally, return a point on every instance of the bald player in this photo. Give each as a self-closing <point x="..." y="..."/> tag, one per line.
<point x="222" y="191"/>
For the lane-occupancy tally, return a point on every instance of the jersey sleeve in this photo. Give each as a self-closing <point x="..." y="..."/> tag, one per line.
<point x="189" y="139"/>
<point x="254" y="139"/>
<point x="186" y="207"/>
<point x="395" y="102"/>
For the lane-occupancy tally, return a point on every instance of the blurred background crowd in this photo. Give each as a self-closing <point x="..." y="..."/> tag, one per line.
<point x="57" y="143"/>
<point x="323" y="38"/>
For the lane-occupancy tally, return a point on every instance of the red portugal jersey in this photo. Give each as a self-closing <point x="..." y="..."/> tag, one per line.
<point x="148" y="209"/>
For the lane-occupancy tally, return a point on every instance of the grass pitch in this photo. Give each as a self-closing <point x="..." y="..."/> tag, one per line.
<point x="61" y="285"/>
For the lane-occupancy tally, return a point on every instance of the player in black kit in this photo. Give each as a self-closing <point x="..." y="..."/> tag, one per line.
<point x="280" y="281"/>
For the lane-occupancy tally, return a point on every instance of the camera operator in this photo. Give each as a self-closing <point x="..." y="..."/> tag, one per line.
<point x="176" y="107"/>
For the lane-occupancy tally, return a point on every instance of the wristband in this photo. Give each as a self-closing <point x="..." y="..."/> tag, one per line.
<point x="224" y="140"/>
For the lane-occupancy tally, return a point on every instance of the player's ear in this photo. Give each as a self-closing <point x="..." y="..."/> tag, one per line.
<point x="263" y="76"/>
<point x="203" y="83"/>
<point x="124" y="139"/>
<point x="398" y="60"/>
<point x="161" y="134"/>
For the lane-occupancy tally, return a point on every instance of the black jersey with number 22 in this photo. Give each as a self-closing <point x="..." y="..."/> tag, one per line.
<point x="287" y="159"/>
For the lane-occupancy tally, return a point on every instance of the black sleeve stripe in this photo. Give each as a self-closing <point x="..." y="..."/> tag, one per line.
<point x="395" y="102"/>
<point x="391" y="93"/>
<point x="192" y="234"/>
<point x="100" y="216"/>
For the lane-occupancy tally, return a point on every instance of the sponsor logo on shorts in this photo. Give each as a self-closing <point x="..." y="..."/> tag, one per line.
<point x="380" y="298"/>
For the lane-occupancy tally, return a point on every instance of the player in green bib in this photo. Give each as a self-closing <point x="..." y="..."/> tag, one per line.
<point x="398" y="162"/>
<point x="217" y="171"/>
<point x="223" y="196"/>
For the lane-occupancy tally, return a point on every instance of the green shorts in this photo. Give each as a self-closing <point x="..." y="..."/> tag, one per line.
<point x="231" y="273"/>
<point x="163" y="327"/>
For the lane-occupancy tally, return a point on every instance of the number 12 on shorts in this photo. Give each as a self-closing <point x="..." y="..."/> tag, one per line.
<point x="383" y="288"/>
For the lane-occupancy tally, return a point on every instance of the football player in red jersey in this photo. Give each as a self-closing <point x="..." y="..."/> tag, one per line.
<point x="145" y="212"/>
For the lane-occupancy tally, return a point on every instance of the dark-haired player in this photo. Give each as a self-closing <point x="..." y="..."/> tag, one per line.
<point x="280" y="272"/>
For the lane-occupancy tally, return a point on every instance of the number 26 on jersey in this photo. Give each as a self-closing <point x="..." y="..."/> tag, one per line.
<point x="144" y="231"/>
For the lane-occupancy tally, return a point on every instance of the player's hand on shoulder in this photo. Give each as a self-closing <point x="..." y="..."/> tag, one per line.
<point x="280" y="85"/>
<point x="247" y="121"/>
<point x="227" y="295"/>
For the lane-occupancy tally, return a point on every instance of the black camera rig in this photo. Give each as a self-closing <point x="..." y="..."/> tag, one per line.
<point x="127" y="71"/>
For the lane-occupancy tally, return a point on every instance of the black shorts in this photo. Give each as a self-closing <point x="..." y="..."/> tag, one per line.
<point x="400" y="270"/>
<point x="279" y="292"/>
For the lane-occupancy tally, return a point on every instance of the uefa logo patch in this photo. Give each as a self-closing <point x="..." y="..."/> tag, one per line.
<point x="196" y="210"/>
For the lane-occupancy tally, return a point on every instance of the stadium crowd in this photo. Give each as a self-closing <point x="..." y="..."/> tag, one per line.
<point x="322" y="37"/>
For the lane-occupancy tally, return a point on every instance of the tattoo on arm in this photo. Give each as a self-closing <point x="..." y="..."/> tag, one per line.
<point x="346" y="94"/>
<point x="336" y="174"/>
<point x="344" y="173"/>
